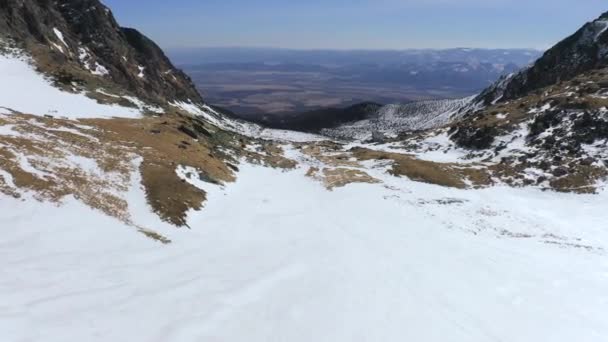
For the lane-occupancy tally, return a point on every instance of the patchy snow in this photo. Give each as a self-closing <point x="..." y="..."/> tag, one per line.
<point x="59" y="35"/>
<point x="7" y="130"/>
<point x="144" y="106"/>
<point x="541" y="109"/>
<point x="83" y="55"/>
<point x="95" y="68"/>
<point x="204" y="112"/>
<point x="245" y="128"/>
<point x="289" y="136"/>
<point x="99" y="70"/>
<point x="58" y="47"/>
<point x="296" y="262"/>
<point x="24" y="90"/>
<point x="596" y="29"/>
<point x="396" y="118"/>
<point x="141" y="71"/>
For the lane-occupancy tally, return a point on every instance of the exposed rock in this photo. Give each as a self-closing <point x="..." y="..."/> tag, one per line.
<point x="475" y="138"/>
<point x="79" y="41"/>
<point x="585" y="50"/>
<point x="189" y="132"/>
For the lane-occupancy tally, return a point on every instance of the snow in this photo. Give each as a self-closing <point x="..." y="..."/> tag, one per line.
<point x="277" y="257"/>
<point x="99" y="70"/>
<point x="141" y="71"/>
<point x="58" y="47"/>
<point x="395" y="118"/>
<point x="96" y="69"/>
<point x="24" y="90"/>
<point x="59" y="35"/>
<point x="289" y="136"/>
<point x="600" y="26"/>
<point x="411" y="262"/>
<point x="7" y="130"/>
<point x="207" y="113"/>
<point x="143" y="106"/>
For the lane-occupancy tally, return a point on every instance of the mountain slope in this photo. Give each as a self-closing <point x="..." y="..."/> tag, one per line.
<point x="80" y="42"/>
<point x="174" y="226"/>
<point x="393" y="119"/>
<point x="585" y="50"/>
<point x="547" y="124"/>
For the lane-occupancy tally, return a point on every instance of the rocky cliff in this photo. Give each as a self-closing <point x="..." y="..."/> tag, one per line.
<point x="79" y="42"/>
<point x="585" y="50"/>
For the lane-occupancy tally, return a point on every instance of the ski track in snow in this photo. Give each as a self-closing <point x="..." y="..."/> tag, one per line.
<point x="277" y="257"/>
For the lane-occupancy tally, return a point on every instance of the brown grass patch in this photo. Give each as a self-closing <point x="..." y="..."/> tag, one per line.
<point x="444" y="174"/>
<point x="268" y="154"/>
<point x="583" y="179"/>
<point x="330" y="154"/>
<point x="43" y="159"/>
<point x="338" y="177"/>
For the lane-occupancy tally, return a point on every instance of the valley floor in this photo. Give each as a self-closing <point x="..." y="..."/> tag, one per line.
<point x="278" y="257"/>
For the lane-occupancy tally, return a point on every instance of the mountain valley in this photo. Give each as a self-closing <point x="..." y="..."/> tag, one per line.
<point x="132" y="208"/>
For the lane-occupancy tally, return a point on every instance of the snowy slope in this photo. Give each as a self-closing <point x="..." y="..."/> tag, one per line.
<point x="24" y="90"/>
<point x="248" y="129"/>
<point x="278" y="257"/>
<point x="397" y="118"/>
<point x="411" y="262"/>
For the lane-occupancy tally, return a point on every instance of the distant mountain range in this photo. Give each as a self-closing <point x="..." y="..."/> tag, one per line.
<point x="240" y="55"/>
<point x="256" y="82"/>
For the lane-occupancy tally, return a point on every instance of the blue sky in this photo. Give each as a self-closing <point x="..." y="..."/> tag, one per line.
<point x="357" y="24"/>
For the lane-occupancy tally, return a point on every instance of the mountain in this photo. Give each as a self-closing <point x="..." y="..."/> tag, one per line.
<point x="79" y="41"/>
<point x="256" y="82"/>
<point x="138" y="212"/>
<point x="585" y="50"/>
<point x="547" y="123"/>
<point x="390" y="120"/>
<point x="269" y="56"/>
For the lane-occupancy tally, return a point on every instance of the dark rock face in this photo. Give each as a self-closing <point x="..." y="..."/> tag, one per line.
<point x="81" y="40"/>
<point x="476" y="138"/>
<point x="585" y="50"/>
<point x="569" y="131"/>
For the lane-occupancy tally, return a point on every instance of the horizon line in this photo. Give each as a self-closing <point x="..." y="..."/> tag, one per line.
<point x="244" y="47"/>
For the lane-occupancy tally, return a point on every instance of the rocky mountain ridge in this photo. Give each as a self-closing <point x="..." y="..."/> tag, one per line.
<point x="78" y="42"/>
<point x="548" y="122"/>
<point x="585" y="50"/>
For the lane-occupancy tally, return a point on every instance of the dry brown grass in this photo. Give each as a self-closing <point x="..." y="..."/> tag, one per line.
<point x="268" y="154"/>
<point x="584" y="86"/>
<point x="338" y="177"/>
<point x="583" y="179"/>
<point x="329" y="153"/>
<point x="444" y="174"/>
<point x="113" y="144"/>
<point x="40" y="156"/>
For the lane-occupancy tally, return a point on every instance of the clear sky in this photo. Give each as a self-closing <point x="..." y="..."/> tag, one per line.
<point x="357" y="24"/>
